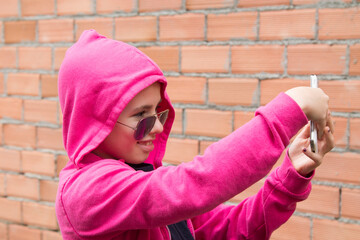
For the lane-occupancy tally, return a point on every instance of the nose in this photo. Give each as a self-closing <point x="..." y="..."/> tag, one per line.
<point x="158" y="127"/>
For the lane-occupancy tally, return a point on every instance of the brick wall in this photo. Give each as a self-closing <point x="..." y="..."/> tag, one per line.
<point x="223" y="60"/>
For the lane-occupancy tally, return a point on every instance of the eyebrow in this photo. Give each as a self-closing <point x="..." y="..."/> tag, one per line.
<point x="146" y="107"/>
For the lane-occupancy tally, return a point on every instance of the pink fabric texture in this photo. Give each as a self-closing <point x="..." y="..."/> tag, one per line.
<point x="106" y="199"/>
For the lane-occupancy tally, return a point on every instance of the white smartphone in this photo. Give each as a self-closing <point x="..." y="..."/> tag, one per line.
<point x="313" y="132"/>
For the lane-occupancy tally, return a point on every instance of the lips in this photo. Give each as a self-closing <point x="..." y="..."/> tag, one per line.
<point x="146" y="146"/>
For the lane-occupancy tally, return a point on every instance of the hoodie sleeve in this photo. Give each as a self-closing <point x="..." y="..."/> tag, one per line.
<point x="257" y="216"/>
<point x="108" y="196"/>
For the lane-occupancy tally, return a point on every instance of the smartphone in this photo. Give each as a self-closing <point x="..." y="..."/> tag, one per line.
<point x="313" y="131"/>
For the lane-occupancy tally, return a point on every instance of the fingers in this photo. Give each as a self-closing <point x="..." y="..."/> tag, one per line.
<point x="330" y="122"/>
<point x="305" y="132"/>
<point x="328" y="142"/>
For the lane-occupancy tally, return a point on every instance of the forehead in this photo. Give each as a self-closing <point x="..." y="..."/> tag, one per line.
<point x="149" y="96"/>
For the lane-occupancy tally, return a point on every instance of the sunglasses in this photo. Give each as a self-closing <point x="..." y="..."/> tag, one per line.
<point x="145" y="125"/>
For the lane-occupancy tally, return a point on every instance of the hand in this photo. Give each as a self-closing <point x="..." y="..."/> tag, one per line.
<point x="314" y="103"/>
<point x="301" y="156"/>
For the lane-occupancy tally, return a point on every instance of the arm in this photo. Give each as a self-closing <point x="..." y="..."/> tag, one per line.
<point x="257" y="216"/>
<point x="143" y="200"/>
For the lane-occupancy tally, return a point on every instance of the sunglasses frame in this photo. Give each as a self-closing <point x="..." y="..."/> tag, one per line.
<point x="156" y="115"/>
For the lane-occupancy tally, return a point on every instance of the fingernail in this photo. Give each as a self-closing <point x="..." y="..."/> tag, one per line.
<point x="304" y="149"/>
<point x="329" y="130"/>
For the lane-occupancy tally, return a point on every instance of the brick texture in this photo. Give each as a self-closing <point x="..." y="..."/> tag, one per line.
<point x="149" y="5"/>
<point x="136" y="29"/>
<point x="56" y="30"/>
<point x="245" y="59"/>
<point x="37" y="7"/>
<point x="20" y="31"/>
<point x="232" y="26"/>
<point x="223" y="59"/>
<point x="205" y="59"/>
<point x="287" y="24"/>
<point x="182" y="27"/>
<point x="187" y="89"/>
<point x="339" y="23"/>
<point x="316" y="59"/>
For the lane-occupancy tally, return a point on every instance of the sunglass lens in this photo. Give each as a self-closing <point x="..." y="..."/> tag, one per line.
<point x="144" y="127"/>
<point x="163" y="116"/>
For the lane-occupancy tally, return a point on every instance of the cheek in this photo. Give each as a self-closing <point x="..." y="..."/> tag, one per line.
<point x="120" y="142"/>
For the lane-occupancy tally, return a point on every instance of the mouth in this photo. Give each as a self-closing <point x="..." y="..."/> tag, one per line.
<point x="146" y="146"/>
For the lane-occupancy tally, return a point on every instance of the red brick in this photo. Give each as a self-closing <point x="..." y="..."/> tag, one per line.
<point x="56" y="30"/>
<point x="205" y="59"/>
<point x="332" y="230"/>
<point x="10" y="160"/>
<point x="8" y="57"/>
<point x="9" y="8"/>
<point x="21" y="186"/>
<point x="2" y="83"/>
<point x="149" y="5"/>
<point x="49" y="85"/>
<point x="61" y="162"/>
<point x="181" y="150"/>
<point x="23" y="84"/>
<point x="316" y="59"/>
<point x="50" y="235"/>
<point x="212" y="123"/>
<point x="339" y="23"/>
<point x="355" y="133"/>
<point x="40" y="111"/>
<point x="38" y="163"/>
<point x="110" y="6"/>
<point x="1" y="32"/>
<point x="10" y="210"/>
<point x="3" y="231"/>
<point x="344" y="95"/>
<point x="302" y="2"/>
<point x="103" y="26"/>
<point x="182" y="27"/>
<point x="340" y="134"/>
<point x="186" y="89"/>
<point x="11" y="108"/>
<point x="270" y="88"/>
<point x="354" y="68"/>
<point x="241" y="25"/>
<point x="17" y="232"/>
<point x="258" y="3"/>
<point x="250" y="59"/>
<point x="240" y="118"/>
<point x="19" y="135"/>
<point x="167" y="57"/>
<point x="59" y="55"/>
<point x="70" y="7"/>
<point x="35" y="58"/>
<point x="19" y="31"/>
<point x="37" y="7"/>
<point x="322" y="200"/>
<point x="135" y="29"/>
<point x="177" y="126"/>
<point x="48" y="190"/>
<point x="50" y="138"/>
<point x="1" y="134"/>
<point x="350" y="202"/>
<point x="2" y="187"/>
<point x="296" y="228"/>
<point x="277" y="25"/>
<point x="203" y="4"/>
<point x="340" y="167"/>
<point x="233" y="91"/>
<point x="39" y="215"/>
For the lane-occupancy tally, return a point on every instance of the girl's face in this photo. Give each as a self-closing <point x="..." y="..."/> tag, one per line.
<point x="120" y="143"/>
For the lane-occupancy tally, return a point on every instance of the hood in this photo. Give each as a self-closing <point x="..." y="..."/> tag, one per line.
<point x="97" y="79"/>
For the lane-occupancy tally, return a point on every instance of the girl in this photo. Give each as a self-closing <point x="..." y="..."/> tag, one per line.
<point x="116" y="121"/>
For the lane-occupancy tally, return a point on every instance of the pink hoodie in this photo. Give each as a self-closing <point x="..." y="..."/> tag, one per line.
<point x="106" y="199"/>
